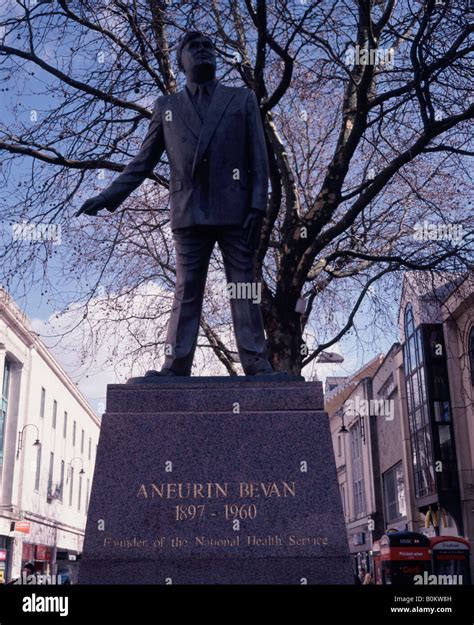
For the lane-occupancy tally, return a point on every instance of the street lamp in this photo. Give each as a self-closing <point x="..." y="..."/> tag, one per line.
<point x="326" y="357"/>
<point x="69" y="467"/>
<point x="343" y="429"/>
<point x="361" y="420"/>
<point x="20" y="438"/>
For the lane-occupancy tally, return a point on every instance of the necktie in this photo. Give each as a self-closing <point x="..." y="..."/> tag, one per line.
<point x="202" y="100"/>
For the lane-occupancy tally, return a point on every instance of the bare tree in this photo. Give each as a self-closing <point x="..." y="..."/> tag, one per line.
<point x="366" y="107"/>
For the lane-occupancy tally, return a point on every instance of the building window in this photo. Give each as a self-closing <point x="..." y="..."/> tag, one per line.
<point x="80" y="493"/>
<point x="394" y="493"/>
<point x="65" y="425"/>
<point x="82" y="442"/>
<point x="4" y="404"/>
<point x="357" y="470"/>
<point x="55" y="413"/>
<point x="418" y="409"/>
<point x="38" y="468"/>
<point x="87" y="495"/>
<point x="61" y="481"/>
<point x="74" y="427"/>
<point x="387" y="389"/>
<point x="442" y="411"/>
<point x="71" y="484"/>
<point x="471" y="353"/>
<point x="90" y="448"/>
<point x="409" y="321"/>
<point x="343" y="498"/>
<point x="50" y="472"/>
<point x="43" y="402"/>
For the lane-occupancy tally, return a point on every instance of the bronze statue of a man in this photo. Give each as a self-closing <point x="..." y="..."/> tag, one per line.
<point x="214" y="139"/>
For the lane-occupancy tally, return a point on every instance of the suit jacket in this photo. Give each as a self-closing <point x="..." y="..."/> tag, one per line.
<point x="218" y="167"/>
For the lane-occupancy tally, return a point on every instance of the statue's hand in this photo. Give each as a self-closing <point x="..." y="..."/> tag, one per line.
<point x="92" y="206"/>
<point x="252" y="227"/>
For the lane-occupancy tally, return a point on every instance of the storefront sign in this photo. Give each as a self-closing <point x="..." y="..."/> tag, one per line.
<point x="23" y="526"/>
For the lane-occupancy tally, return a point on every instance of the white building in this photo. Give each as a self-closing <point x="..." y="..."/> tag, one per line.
<point x="44" y="487"/>
<point x="411" y="465"/>
<point x="352" y="434"/>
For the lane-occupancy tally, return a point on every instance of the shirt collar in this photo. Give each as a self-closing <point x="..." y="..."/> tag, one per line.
<point x="209" y="86"/>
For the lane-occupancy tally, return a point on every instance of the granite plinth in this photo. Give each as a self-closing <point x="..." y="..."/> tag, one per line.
<point x="215" y="485"/>
<point x="209" y="394"/>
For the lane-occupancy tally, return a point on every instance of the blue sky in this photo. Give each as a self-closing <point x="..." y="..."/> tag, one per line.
<point x="40" y="307"/>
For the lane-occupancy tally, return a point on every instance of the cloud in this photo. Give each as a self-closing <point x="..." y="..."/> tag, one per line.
<point x="114" y="337"/>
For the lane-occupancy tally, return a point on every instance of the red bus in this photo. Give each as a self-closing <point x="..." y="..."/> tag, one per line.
<point x="450" y="557"/>
<point x="399" y="556"/>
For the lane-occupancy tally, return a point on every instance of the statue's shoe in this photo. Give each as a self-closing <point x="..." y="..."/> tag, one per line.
<point x="166" y="372"/>
<point x="157" y="377"/>
<point x="153" y="376"/>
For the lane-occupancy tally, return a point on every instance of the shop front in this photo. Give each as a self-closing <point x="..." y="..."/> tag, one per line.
<point x="5" y="558"/>
<point x="67" y="564"/>
<point x="41" y="556"/>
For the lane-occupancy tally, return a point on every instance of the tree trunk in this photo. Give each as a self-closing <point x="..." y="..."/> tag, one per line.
<point x="285" y="341"/>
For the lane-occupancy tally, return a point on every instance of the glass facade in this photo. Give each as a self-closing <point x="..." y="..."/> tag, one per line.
<point x="430" y="419"/>
<point x="394" y="493"/>
<point x="418" y="412"/>
<point x="440" y="411"/>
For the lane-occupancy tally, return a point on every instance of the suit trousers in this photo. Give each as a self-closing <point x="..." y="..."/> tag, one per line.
<point x="194" y="247"/>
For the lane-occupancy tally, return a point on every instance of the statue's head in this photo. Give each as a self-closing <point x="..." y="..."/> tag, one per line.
<point x="196" y="56"/>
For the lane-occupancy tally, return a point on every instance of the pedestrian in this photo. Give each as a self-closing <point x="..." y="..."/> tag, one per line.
<point x="27" y="575"/>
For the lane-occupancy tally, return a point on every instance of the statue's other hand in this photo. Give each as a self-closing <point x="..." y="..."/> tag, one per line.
<point x="252" y="227"/>
<point x="91" y="206"/>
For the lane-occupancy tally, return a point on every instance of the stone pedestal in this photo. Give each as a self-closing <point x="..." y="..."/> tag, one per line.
<point x="215" y="481"/>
